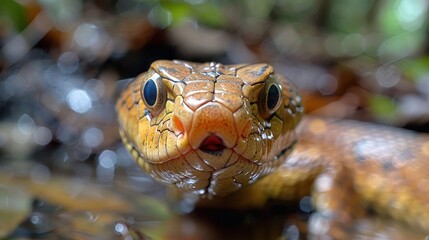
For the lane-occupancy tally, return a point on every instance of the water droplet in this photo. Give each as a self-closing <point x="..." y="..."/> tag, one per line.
<point x="106" y="166"/>
<point x="35" y="220"/>
<point x="187" y="205"/>
<point x="79" y="101"/>
<point x="87" y="35"/>
<point x="353" y="44"/>
<point x="93" y="137"/>
<point x="121" y="228"/>
<point x="388" y="76"/>
<point x="306" y="204"/>
<point x="327" y="84"/>
<point x="26" y="125"/>
<point x="42" y="136"/>
<point x="68" y="62"/>
<point x="411" y="14"/>
<point x="317" y="224"/>
<point x="160" y="17"/>
<point x="291" y="232"/>
<point x="323" y="183"/>
<point x="107" y="159"/>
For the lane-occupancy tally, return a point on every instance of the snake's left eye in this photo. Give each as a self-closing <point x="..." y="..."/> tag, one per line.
<point x="153" y="93"/>
<point x="270" y="97"/>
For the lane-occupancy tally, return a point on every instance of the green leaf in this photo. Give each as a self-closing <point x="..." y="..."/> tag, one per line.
<point x="180" y="11"/>
<point x="210" y="14"/>
<point x="388" y="22"/>
<point x="349" y="16"/>
<point x="382" y="107"/>
<point x="414" y="69"/>
<point x="14" y="12"/>
<point x="259" y="9"/>
<point x="400" y="46"/>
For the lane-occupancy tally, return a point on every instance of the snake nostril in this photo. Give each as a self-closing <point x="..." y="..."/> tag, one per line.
<point x="212" y="144"/>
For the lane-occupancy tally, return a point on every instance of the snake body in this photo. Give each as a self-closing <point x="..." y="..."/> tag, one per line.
<point x="213" y="129"/>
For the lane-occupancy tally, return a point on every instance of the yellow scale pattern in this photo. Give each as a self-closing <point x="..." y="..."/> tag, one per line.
<point x="208" y="99"/>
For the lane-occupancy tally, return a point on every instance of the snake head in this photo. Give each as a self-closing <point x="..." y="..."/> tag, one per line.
<point x="210" y="129"/>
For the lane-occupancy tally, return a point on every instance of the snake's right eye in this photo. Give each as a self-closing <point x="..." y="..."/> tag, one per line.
<point x="150" y="92"/>
<point x="270" y="96"/>
<point x="153" y="93"/>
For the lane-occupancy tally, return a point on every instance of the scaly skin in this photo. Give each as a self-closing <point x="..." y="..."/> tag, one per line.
<point x="345" y="165"/>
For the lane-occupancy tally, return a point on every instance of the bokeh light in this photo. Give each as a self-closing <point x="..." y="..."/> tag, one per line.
<point x="411" y="14"/>
<point x="79" y="100"/>
<point x="42" y="136"/>
<point x="87" y="35"/>
<point x="61" y="60"/>
<point x="93" y="137"/>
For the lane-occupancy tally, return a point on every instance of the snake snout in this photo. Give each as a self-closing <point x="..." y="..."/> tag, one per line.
<point x="210" y="120"/>
<point x="212" y="144"/>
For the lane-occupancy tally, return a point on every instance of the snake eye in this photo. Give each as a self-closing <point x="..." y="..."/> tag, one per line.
<point x="270" y="97"/>
<point x="153" y="93"/>
<point x="150" y="92"/>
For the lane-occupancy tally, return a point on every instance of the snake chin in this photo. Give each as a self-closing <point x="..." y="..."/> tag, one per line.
<point x="244" y="171"/>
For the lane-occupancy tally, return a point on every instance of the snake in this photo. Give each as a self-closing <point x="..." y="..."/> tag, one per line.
<point x="236" y="136"/>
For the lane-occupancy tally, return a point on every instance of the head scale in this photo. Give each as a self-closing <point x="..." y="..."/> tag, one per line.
<point x="209" y="128"/>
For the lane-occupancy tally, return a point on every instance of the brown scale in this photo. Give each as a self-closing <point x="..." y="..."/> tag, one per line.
<point x="214" y="136"/>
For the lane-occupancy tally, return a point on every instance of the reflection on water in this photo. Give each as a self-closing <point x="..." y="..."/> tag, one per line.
<point x="56" y="207"/>
<point x="35" y="204"/>
<point x="63" y="174"/>
<point x="69" y="208"/>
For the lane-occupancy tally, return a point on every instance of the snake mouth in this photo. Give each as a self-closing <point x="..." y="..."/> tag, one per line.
<point x="213" y="145"/>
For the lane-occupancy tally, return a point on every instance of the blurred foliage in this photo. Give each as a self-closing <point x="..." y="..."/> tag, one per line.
<point x="12" y="13"/>
<point x="416" y="69"/>
<point x="60" y="61"/>
<point x="64" y="13"/>
<point x="383" y="106"/>
<point x="206" y="12"/>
